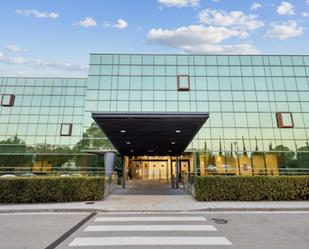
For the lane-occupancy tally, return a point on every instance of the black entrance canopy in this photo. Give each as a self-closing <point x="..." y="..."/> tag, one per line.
<point x="154" y="133"/>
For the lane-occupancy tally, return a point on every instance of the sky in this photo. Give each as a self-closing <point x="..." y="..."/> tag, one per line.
<point x="55" y="37"/>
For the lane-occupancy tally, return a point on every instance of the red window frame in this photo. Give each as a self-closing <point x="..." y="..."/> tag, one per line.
<point x="178" y="83"/>
<point x="12" y="100"/>
<point x="70" y="130"/>
<point x="280" y="120"/>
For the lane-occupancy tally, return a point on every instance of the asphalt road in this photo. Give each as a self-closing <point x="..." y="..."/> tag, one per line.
<point x="34" y="231"/>
<point x="288" y="230"/>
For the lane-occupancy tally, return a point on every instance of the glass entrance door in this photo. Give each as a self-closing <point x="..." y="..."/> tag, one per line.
<point x="149" y="170"/>
<point x="158" y="170"/>
<point x="184" y="166"/>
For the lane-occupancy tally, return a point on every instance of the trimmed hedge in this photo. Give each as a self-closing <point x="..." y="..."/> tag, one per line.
<point x="251" y="188"/>
<point x="50" y="189"/>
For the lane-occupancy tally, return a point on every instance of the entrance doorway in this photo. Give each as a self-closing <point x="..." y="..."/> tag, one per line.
<point x="148" y="173"/>
<point x="152" y="175"/>
<point x="155" y="171"/>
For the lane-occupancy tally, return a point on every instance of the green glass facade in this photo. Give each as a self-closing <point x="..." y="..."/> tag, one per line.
<point x="244" y="96"/>
<point x="30" y="137"/>
<point x="41" y="105"/>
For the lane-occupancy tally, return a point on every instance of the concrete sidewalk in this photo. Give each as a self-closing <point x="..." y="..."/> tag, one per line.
<point x="155" y="203"/>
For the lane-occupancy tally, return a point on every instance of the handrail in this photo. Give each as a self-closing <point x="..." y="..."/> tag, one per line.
<point x="59" y="173"/>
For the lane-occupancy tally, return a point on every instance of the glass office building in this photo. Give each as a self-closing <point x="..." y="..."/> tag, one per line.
<point x="258" y="113"/>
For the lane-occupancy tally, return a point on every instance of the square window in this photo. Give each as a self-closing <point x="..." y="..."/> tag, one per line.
<point x="66" y="130"/>
<point x="285" y="120"/>
<point x="7" y="100"/>
<point x="183" y="82"/>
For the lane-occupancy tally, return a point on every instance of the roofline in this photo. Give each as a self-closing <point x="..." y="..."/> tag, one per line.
<point x="42" y="77"/>
<point x="199" y="54"/>
<point x="204" y="115"/>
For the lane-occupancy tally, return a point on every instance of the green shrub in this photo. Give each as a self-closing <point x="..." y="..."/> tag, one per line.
<point x="50" y="189"/>
<point x="251" y="188"/>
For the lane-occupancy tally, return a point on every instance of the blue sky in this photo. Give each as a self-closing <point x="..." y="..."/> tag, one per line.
<point x="55" y="37"/>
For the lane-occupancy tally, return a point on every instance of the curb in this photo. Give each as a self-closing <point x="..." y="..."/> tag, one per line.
<point x="61" y="210"/>
<point x="254" y="210"/>
<point x="51" y="210"/>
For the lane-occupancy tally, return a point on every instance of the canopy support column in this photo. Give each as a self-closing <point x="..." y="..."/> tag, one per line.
<point x="172" y="174"/>
<point x="177" y="172"/>
<point x="109" y="162"/>
<point x="124" y="171"/>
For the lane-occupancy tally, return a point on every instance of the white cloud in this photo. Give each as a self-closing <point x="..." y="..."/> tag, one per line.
<point x="19" y="66"/>
<point x="61" y="66"/>
<point x="284" y="30"/>
<point x="42" y="64"/>
<point x="242" y="48"/>
<point x="120" y="24"/>
<point x="87" y="22"/>
<point x="17" y="60"/>
<point x="179" y="3"/>
<point x="229" y="19"/>
<point x="13" y="48"/>
<point x="12" y="73"/>
<point x="194" y="34"/>
<point x="256" y="6"/>
<point x="305" y="14"/>
<point x="37" y="14"/>
<point x="201" y="39"/>
<point x="286" y="8"/>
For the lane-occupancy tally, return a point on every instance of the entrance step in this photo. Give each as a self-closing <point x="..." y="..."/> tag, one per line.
<point x="138" y="191"/>
<point x="149" y="187"/>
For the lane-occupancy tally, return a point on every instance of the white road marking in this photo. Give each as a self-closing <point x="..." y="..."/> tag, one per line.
<point x="153" y="218"/>
<point x="210" y="212"/>
<point x="45" y="213"/>
<point x="113" y="228"/>
<point x="126" y="241"/>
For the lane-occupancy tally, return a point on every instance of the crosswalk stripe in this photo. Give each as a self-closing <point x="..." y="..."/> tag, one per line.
<point x="126" y="241"/>
<point x="152" y="218"/>
<point x="150" y="228"/>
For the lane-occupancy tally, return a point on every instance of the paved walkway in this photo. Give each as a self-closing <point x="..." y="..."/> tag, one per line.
<point x="149" y="203"/>
<point x="142" y="187"/>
